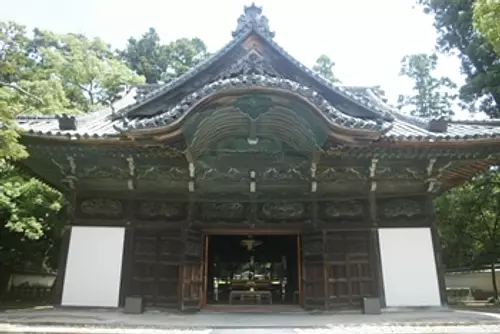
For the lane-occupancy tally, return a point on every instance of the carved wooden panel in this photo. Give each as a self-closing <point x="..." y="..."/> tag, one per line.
<point x="401" y="208"/>
<point x="158" y="210"/>
<point x="344" y="210"/>
<point x="349" y="268"/>
<point x="100" y="208"/>
<point x="223" y="210"/>
<point x="283" y="210"/>
<point x="156" y="261"/>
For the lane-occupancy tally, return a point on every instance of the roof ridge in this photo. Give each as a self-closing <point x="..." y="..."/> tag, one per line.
<point x="414" y="120"/>
<point x="321" y="79"/>
<point x="36" y="117"/>
<point x="176" y="112"/>
<point x="489" y="121"/>
<point x="187" y="75"/>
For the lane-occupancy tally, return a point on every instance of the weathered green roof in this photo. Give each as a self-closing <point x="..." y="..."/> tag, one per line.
<point x="166" y="103"/>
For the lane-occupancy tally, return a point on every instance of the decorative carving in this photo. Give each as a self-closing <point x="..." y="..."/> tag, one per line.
<point x="400" y="174"/>
<point x="104" y="172"/>
<point x="101" y="207"/>
<point x="254" y="105"/>
<point x="162" y="173"/>
<point x="159" y="209"/>
<point x="252" y="18"/>
<point x="226" y="209"/>
<point x="282" y="210"/>
<point x="402" y="208"/>
<point x="342" y="174"/>
<point x="347" y="209"/>
<point x="207" y="173"/>
<point x="252" y="63"/>
<point x="277" y="174"/>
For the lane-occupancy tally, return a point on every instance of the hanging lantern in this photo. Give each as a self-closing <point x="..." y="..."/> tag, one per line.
<point x="250" y="243"/>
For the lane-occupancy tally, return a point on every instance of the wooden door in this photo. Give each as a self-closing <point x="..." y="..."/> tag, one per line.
<point x="349" y="269"/>
<point x="156" y="264"/>
<point x="313" y="270"/>
<point x="192" y="271"/>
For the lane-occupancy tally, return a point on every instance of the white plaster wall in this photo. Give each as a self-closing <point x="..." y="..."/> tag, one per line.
<point x="474" y="280"/>
<point x="408" y="267"/>
<point x="32" y="280"/>
<point x="93" y="268"/>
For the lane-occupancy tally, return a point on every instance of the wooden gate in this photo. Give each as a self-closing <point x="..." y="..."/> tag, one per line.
<point x="313" y="270"/>
<point x="348" y="268"/>
<point x="192" y="270"/>
<point x="156" y="262"/>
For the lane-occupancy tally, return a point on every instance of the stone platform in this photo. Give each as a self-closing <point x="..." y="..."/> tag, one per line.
<point x="62" y="320"/>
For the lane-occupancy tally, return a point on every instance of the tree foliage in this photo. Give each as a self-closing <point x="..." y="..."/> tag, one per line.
<point x="453" y="21"/>
<point x="487" y="21"/>
<point x="43" y="74"/>
<point x="91" y="74"/>
<point x="432" y="96"/>
<point x="469" y="223"/>
<point x="162" y="62"/>
<point x="324" y="66"/>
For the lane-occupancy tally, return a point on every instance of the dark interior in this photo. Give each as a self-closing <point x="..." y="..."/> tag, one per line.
<point x="262" y="265"/>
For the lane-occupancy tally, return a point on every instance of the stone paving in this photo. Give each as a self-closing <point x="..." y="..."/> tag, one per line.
<point x="76" y="321"/>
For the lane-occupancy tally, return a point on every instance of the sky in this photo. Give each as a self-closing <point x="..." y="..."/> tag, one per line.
<point x="366" y="38"/>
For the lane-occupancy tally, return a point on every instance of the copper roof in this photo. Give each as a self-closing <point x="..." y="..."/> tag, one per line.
<point x="390" y="123"/>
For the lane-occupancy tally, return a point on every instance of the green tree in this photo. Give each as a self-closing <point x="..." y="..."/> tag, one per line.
<point x="469" y="224"/>
<point x="453" y="21"/>
<point x="91" y="74"/>
<point x="46" y="74"/>
<point x="146" y="56"/>
<point x="162" y="62"/>
<point x="432" y="96"/>
<point x="324" y="66"/>
<point x="487" y="21"/>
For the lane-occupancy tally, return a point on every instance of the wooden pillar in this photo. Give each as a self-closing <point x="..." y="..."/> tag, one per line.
<point x="375" y="258"/>
<point x="299" y="269"/>
<point x="61" y="267"/>
<point x="127" y="263"/>
<point x="431" y="217"/>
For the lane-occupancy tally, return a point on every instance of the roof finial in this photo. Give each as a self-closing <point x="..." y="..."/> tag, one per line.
<point x="252" y="18"/>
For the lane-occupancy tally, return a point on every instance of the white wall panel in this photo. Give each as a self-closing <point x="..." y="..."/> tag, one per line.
<point x="93" y="268"/>
<point x="409" y="267"/>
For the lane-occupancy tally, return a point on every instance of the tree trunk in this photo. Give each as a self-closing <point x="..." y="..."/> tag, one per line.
<point x="494" y="280"/>
<point x="4" y="278"/>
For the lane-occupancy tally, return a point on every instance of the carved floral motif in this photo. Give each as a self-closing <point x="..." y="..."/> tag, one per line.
<point x="104" y="172"/>
<point x="344" y="209"/>
<point x="101" y="207"/>
<point x="162" y="173"/>
<point x="342" y="174"/>
<point x="252" y="63"/>
<point x="402" y="208"/>
<point x="226" y="209"/>
<point x="214" y="174"/>
<point x="159" y="209"/>
<point x="282" y="210"/>
<point x="402" y="174"/>
<point x="276" y="174"/>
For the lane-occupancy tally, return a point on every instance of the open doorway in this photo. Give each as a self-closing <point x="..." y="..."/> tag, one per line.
<point x="251" y="270"/>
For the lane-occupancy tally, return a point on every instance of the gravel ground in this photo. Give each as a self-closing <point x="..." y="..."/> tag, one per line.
<point x="331" y="330"/>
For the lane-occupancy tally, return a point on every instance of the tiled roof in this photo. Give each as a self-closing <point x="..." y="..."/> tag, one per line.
<point x="390" y="123"/>
<point x="259" y="81"/>
<point x="99" y="124"/>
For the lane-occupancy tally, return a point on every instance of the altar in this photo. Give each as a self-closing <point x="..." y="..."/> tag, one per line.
<point x="252" y="270"/>
<point x="256" y="296"/>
